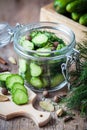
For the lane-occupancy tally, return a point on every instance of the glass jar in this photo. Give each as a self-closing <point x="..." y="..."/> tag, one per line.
<point x="54" y="75"/>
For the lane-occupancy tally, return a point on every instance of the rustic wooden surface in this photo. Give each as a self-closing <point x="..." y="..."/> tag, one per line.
<point x="28" y="11"/>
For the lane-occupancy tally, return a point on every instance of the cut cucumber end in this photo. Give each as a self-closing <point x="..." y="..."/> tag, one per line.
<point x="13" y="79"/>
<point x="35" y="69"/>
<point x="40" y="40"/>
<point x="20" y="97"/>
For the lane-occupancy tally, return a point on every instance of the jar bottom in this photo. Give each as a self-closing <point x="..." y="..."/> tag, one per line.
<point x="58" y="87"/>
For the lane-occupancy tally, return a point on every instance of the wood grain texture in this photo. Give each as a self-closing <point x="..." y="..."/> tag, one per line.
<point x="49" y="14"/>
<point x="9" y="110"/>
<point x="23" y="12"/>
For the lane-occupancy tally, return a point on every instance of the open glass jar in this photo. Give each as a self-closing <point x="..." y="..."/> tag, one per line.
<point x="53" y="66"/>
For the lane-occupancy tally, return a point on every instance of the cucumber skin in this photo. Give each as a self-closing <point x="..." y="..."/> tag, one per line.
<point x="75" y="16"/>
<point x="9" y="80"/>
<point x="60" y="5"/>
<point x="79" y="6"/>
<point x="35" y="69"/>
<point x="28" y="45"/>
<point x="56" y="80"/>
<point x="3" y="77"/>
<point x="36" y="82"/>
<point x="39" y="37"/>
<point x="83" y="19"/>
<point x="18" y="86"/>
<point x="20" y="97"/>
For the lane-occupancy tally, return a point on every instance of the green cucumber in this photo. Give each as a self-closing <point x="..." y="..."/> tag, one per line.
<point x="20" y="97"/>
<point x="36" y="82"/>
<point x="34" y="33"/>
<point x="22" y="39"/>
<point x="79" y="6"/>
<point x="83" y="19"/>
<point x="28" y="45"/>
<point x="18" y="86"/>
<point x="40" y="40"/>
<point x="56" y="80"/>
<point x="22" y="66"/>
<point x="60" y="5"/>
<point x="75" y="16"/>
<point x="3" y="77"/>
<point x="35" y="70"/>
<point x="43" y="51"/>
<point x="10" y="80"/>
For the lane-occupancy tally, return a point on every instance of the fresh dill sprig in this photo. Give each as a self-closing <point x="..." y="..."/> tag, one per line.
<point x="77" y="98"/>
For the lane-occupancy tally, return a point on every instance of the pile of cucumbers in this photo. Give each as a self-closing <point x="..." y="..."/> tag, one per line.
<point x="37" y="73"/>
<point x="76" y="9"/>
<point x="15" y="84"/>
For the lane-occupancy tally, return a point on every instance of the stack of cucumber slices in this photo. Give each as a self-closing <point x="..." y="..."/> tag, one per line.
<point x="41" y="41"/>
<point x="37" y="73"/>
<point x="15" y="84"/>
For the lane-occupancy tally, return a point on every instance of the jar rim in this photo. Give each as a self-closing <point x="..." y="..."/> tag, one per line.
<point x="38" y="25"/>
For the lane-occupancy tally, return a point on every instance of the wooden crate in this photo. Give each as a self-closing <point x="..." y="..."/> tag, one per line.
<point x="49" y="14"/>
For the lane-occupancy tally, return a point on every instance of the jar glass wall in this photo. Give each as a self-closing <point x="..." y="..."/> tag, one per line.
<point x="48" y="65"/>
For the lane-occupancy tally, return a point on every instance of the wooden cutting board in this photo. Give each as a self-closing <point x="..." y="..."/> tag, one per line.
<point x="9" y="109"/>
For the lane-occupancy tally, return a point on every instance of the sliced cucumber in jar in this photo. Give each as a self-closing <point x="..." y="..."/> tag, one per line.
<point x="18" y="86"/>
<point x="35" y="70"/>
<point x="40" y="40"/>
<point x="28" y="45"/>
<point x="22" y="66"/>
<point x="22" y="39"/>
<point x="3" y="77"/>
<point x="60" y="46"/>
<point x="56" y="80"/>
<point x="36" y="82"/>
<point x="44" y="51"/>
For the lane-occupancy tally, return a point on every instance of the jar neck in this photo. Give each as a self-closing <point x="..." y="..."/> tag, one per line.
<point x="61" y="29"/>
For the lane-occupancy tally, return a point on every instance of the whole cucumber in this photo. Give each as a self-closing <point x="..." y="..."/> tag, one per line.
<point x="79" y="6"/>
<point x="83" y="19"/>
<point x="60" y="5"/>
<point x="75" y="16"/>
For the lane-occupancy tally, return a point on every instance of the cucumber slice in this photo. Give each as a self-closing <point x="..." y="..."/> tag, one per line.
<point x="22" y="66"/>
<point x="20" y="97"/>
<point x="22" y="40"/>
<point x="18" y="86"/>
<point x="44" y="51"/>
<point x="40" y="40"/>
<point x="35" y="70"/>
<point x="57" y="80"/>
<point x="33" y="33"/>
<point x="13" y="79"/>
<point x="3" y="77"/>
<point x="28" y="45"/>
<point x="36" y="82"/>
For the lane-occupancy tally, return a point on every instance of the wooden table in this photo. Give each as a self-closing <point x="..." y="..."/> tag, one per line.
<point x="22" y="123"/>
